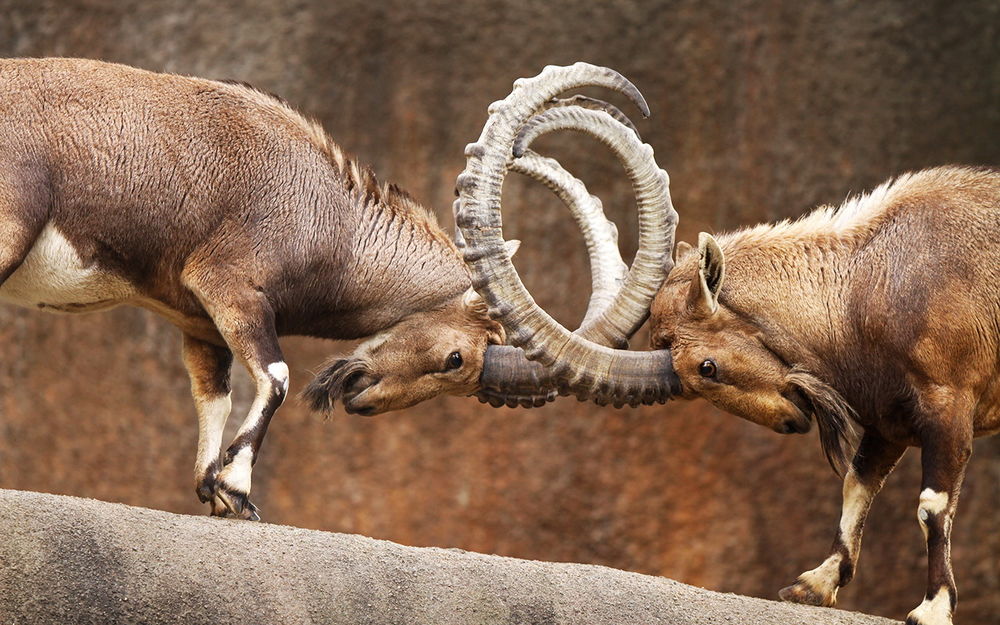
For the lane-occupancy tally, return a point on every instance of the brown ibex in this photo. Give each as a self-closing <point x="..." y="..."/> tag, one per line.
<point x="847" y="315"/>
<point x="222" y="209"/>
<point x="844" y="316"/>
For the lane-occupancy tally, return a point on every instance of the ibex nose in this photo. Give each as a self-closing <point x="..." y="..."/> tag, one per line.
<point x="364" y="411"/>
<point x="358" y="382"/>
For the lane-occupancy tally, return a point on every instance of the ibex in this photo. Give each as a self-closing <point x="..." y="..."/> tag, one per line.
<point x="881" y="315"/>
<point x="237" y="219"/>
<point x="223" y="210"/>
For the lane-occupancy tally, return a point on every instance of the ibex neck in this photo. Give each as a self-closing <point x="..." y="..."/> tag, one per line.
<point x="802" y="277"/>
<point x="368" y="266"/>
<point x="370" y="257"/>
<point x="797" y="291"/>
<point x="403" y="262"/>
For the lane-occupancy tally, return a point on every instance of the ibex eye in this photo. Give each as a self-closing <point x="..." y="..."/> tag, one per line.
<point x="453" y="361"/>
<point x="707" y="369"/>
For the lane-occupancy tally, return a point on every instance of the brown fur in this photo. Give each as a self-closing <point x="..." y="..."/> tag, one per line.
<point x="884" y="312"/>
<point x="239" y="220"/>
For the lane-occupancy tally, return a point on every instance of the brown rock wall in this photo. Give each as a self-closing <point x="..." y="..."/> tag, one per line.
<point x="761" y="110"/>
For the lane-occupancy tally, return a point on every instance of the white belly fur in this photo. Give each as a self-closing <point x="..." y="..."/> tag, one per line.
<point x="54" y="277"/>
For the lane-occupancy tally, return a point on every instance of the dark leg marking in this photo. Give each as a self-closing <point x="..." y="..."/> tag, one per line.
<point x="245" y="320"/>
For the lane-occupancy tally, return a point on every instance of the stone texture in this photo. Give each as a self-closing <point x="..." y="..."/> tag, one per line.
<point x="761" y="110"/>
<point x="108" y="563"/>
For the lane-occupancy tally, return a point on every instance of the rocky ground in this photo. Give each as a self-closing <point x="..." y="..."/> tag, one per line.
<point x="68" y="560"/>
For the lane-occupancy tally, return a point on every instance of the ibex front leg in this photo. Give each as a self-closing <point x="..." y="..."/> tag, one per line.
<point x="872" y="463"/>
<point x="208" y="366"/>
<point x="947" y="445"/>
<point x="246" y="322"/>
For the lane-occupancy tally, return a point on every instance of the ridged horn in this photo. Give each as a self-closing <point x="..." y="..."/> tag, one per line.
<point x="578" y="365"/>
<point x="600" y="236"/>
<point x="509" y="378"/>
<point x="597" y="105"/>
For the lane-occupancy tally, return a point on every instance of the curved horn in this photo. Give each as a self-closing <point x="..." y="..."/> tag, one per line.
<point x="457" y="238"/>
<point x="597" y="105"/>
<point x="646" y="276"/>
<point x="580" y="366"/>
<point x="600" y="235"/>
<point x="508" y="377"/>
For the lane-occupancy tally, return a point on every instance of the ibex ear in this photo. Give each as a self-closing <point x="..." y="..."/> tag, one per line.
<point x="704" y="293"/>
<point x="512" y="246"/>
<point x="479" y="311"/>
<point x="682" y="249"/>
<point x="495" y="334"/>
<point x="474" y="303"/>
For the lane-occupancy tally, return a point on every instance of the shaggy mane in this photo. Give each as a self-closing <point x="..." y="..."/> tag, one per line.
<point x="858" y="214"/>
<point x="358" y="177"/>
<point x="859" y="218"/>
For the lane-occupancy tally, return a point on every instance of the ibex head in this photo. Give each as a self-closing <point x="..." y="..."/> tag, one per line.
<point x="724" y="357"/>
<point x="429" y="353"/>
<point x="719" y="355"/>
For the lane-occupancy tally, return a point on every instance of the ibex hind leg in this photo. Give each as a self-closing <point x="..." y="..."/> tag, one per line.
<point x="245" y="320"/>
<point x="946" y="450"/>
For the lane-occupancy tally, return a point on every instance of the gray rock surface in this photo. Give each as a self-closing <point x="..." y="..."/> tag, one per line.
<point x="68" y="560"/>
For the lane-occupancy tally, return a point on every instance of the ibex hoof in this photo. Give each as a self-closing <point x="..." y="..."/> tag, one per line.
<point x="912" y="619"/>
<point x="228" y="502"/>
<point x="933" y="611"/>
<point x="802" y="592"/>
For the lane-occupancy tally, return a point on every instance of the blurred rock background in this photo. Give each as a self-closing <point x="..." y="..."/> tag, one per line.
<point x="761" y="110"/>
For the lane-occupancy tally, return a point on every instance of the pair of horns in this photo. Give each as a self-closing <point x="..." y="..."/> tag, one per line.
<point x="584" y="363"/>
